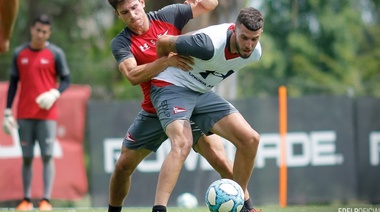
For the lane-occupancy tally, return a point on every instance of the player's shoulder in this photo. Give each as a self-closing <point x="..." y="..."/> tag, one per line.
<point x="21" y="47"/>
<point x="55" y="49"/>
<point x="123" y="38"/>
<point x="217" y="33"/>
<point x="172" y="10"/>
<point x="216" y="28"/>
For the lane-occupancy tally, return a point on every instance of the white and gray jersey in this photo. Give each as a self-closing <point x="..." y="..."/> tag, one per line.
<point x="213" y="60"/>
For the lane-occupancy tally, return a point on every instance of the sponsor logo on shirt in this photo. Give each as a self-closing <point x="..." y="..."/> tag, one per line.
<point x="165" y="33"/>
<point x="24" y="60"/>
<point x="44" y="61"/>
<point x="144" y="47"/>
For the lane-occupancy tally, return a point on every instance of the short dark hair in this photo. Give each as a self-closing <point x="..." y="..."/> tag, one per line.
<point x="115" y="3"/>
<point x="43" y="19"/>
<point x="251" y="18"/>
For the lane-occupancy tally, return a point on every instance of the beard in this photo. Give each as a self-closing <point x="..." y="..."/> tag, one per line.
<point x="242" y="53"/>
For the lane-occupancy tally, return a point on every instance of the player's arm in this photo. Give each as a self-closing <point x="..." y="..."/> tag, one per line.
<point x="13" y="81"/>
<point x="8" y="13"/>
<point x="63" y="70"/>
<point x="12" y="90"/>
<point x="197" y="45"/>
<point x="9" y="121"/>
<point x="137" y="74"/>
<point x="200" y="7"/>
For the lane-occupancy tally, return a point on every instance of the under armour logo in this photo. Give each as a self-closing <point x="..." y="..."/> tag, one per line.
<point x="217" y="74"/>
<point x="144" y="47"/>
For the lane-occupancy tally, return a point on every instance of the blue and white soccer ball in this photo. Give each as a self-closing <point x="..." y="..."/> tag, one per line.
<point x="225" y="195"/>
<point x="187" y="200"/>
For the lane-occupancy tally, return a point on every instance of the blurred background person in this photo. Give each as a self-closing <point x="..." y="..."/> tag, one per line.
<point x="8" y="14"/>
<point x="36" y="65"/>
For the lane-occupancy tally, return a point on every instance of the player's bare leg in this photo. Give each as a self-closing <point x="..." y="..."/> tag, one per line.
<point x="181" y="138"/>
<point x="120" y="181"/>
<point x="212" y="149"/>
<point x="246" y="140"/>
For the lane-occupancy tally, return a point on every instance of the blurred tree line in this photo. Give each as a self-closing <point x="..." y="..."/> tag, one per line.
<point x="311" y="46"/>
<point x="317" y="47"/>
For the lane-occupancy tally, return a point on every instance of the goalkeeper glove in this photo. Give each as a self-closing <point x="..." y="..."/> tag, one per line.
<point x="47" y="99"/>
<point x="9" y="122"/>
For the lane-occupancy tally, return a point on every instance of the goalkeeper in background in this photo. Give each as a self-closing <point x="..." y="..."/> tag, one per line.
<point x="36" y="67"/>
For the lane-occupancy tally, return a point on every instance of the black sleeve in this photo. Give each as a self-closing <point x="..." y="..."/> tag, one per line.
<point x="197" y="45"/>
<point x="64" y="83"/>
<point x="177" y="14"/>
<point x="12" y="90"/>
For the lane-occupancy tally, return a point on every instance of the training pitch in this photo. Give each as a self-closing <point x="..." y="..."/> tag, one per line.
<point x="311" y="208"/>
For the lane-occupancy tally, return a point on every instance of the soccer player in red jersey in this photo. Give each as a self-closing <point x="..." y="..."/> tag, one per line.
<point x="134" y="48"/>
<point x="36" y="67"/>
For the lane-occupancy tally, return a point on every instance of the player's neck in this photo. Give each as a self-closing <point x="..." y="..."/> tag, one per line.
<point x="232" y="46"/>
<point x="38" y="45"/>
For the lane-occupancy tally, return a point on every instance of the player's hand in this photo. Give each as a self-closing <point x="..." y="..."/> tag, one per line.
<point x="9" y="122"/>
<point x="180" y="61"/>
<point x="47" y="99"/>
<point x="4" y="44"/>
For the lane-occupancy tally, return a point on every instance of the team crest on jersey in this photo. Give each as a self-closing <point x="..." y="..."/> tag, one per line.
<point x="178" y="110"/>
<point x="144" y="47"/>
<point x="24" y="60"/>
<point x="44" y="61"/>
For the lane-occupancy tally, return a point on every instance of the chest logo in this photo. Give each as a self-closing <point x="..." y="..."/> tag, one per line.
<point x="44" y="61"/>
<point x="206" y="73"/>
<point x="144" y="47"/>
<point x="24" y="60"/>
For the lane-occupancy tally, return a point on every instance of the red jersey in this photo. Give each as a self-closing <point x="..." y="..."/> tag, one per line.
<point x="37" y="71"/>
<point x="169" y="20"/>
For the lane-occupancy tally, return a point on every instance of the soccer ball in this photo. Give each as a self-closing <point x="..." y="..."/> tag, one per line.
<point x="187" y="200"/>
<point x="225" y="195"/>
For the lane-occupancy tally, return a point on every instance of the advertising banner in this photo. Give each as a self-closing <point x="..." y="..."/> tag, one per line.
<point x="320" y="153"/>
<point x="70" y="181"/>
<point x="368" y="149"/>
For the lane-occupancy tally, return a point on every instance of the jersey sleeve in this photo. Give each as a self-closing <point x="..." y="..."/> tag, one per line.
<point x="60" y="61"/>
<point x="14" y="67"/>
<point x="197" y="45"/>
<point x="177" y="14"/>
<point x="121" y="48"/>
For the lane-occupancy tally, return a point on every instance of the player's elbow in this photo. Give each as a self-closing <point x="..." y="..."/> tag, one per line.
<point x="134" y="81"/>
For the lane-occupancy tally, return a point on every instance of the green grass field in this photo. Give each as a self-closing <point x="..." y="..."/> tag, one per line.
<point x="356" y="208"/>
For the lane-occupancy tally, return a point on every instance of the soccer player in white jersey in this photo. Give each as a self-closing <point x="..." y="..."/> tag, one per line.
<point x="218" y="52"/>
